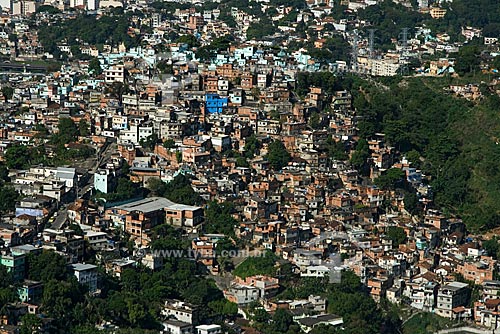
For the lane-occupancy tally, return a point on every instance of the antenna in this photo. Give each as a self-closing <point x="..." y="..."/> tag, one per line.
<point x="403" y="54"/>
<point x="371" y="41"/>
<point x="404" y="40"/>
<point x="354" y="54"/>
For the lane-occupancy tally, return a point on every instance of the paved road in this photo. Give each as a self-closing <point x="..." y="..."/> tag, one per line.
<point x="22" y="67"/>
<point x="466" y="330"/>
<point x="104" y="156"/>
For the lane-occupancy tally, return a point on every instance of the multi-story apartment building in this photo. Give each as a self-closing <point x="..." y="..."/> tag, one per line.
<point x="15" y="263"/>
<point x="181" y="311"/>
<point x="86" y="274"/>
<point x="450" y="297"/>
<point x="115" y="73"/>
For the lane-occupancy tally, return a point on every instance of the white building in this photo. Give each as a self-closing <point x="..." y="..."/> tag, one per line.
<point x="95" y="239"/>
<point x="177" y="327"/>
<point x="68" y="175"/>
<point x="23" y="7"/>
<point x="316" y="271"/>
<point x="103" y="180"/>
<point x="86" y="274"/>
<point x="450" y="296"/>
<point x="181" y="311"/>
<point x="208" y="329"/>
<point x="384" y="68"/>
<point x="115" y="73"/>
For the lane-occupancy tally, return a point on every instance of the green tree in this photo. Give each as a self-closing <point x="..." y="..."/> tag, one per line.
<point x="414" y="157"/>
<point x="67" y="132"/>
<point x="190" y="40"/>
<point x="223" y="307"/>
<point x="17" y="156"/>
<point x="117" y="90"/>
<point x="359" y="159"/>
<point x="8" y="198"/>
<point x="336" y="149"/>
<point x="277" y="155"/>
<point x="252" y="145"/>
<point x="59" y="299"/>
<point x="315" y="120"/>
<point x="350" y="301"/>
<point x="260" y="315"/>
<point x="468" y="59"/>
<point x="411" y="202"/>
<point x="43" y="132"/>
<point x="242" y="162"/>
<point x="31" y="324"/>
<point x="492" y="247"/>
<point x="282" y="320"/>
<point x="261" y="265"/>
<point x="157" y="186"/>
<point x="228" y="19"/>
<point x="47" y="266"/>
<point x="397" y="235"/>
<point x="391" y="179"/>
<point x="7" y="92"/>
<point x="325" y="329"/>
<point x="165" y="67"/>
<point x="83" y="128"/>
<point x="424" y="323"/>
<point x="218" y="218"/>
<point x="4" y="174"/>
<point x="125" y="187"/>
<point x="261" y="29"/>
<point x="6" y="278"/>
<point x="95" y="66"/>
<point x="150" y="142"/>
<point x="178" y="190"/>
<point x="169" y="143"/>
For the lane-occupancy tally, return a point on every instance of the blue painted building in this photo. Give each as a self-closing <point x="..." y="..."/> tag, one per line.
<point x="215" y="104"/>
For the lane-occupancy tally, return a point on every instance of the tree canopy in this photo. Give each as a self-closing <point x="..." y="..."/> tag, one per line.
<point x="277" y="155"/>
<point x="391" y="179"/>
<point x="397" y="235"/>
<point x="88" y="29"/>
<point x="260" y="265"/>
<point x="218" y="218"/>
<point x="451" y="140"/>
<point x="179" y="190"/>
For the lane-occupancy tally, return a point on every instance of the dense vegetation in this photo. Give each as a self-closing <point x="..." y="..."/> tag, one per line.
<point x="260" y="265"/>
<point x="88" y="29"/>
<point x="425" y="323"/>
<point x="277" y="155"/>
<point x="134" y="302"/>
<point x="389" y="19"/>
<point x="19" y="156"/>
<point x="178" y="190"/>
<point x="8" y="195"/>
<point x="348" y="299"/>
<point x="218" y="218"/>
<point x="397" y="235"/>
<point x="452" y="140"/>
